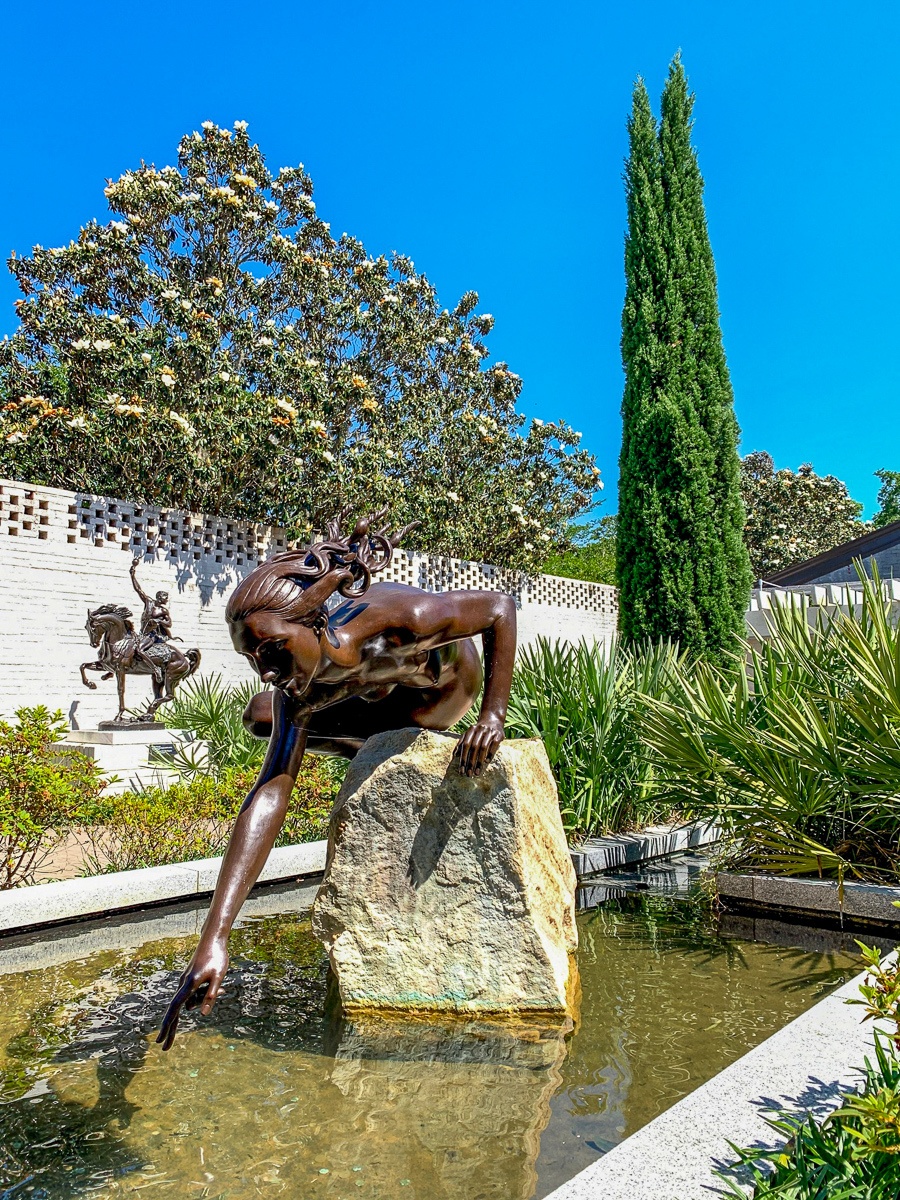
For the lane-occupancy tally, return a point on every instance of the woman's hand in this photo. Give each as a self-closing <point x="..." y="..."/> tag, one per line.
<point x="479" y="744"/>
<point x="199" y="985"/>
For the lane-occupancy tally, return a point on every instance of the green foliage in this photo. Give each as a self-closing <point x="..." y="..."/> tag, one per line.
<point x="586" y="705"/>
<point x="592" y="555"/>
<point x="212" y="710"/>
<point x="682" y="566"/>
<point x="792" y="517"/>
<point x="888" y="499"/>
<point x="855" y="1153"/>
<point x="192" y="820"/>
<point x="214" y="348"/>
<point x="44" y="791"/>
<point x="799" y="755"/>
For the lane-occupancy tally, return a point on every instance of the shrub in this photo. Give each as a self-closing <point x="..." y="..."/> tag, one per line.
<point x="585" y="703"/>
<point x="799" y="756"/>
<point x="44" y="791"/>
<point x="193" y="819"/>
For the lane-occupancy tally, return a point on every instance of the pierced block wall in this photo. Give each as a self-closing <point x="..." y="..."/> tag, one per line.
<point x="62" y="553"/>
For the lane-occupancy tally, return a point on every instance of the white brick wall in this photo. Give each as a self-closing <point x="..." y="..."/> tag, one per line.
<point x="62" y="553"/>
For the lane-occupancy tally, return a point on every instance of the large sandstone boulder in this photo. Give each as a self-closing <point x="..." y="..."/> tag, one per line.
<point x="448" y="893"/>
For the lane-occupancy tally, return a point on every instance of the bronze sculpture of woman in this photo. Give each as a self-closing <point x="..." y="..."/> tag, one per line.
<point x="388" y="657"/>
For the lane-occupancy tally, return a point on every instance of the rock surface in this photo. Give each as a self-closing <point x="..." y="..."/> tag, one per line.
<point x="447" y="893"/>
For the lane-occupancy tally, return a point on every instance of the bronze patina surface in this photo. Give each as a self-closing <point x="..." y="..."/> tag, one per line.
<point x="386" y="656"/>
<point x="123" y="651"/>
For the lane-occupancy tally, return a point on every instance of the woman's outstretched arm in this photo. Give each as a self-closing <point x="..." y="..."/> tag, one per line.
<point x="256" y="828"/>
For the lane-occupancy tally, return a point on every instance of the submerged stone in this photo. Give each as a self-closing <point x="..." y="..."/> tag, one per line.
<point x="444" y="893"/>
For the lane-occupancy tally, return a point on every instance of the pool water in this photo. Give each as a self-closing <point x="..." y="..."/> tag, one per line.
<point x="275" y="1095"/>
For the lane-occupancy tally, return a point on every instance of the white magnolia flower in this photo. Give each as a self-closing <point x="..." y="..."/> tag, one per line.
<point x="77" y="423"/>
<point x="453" y="496"/>
<point x="286" y="406"/>
<point x="271" y="206"/>
<point x="193" y="197"/>
<point x="224" y="376"/>
<point x="241" y="126"/>
<point x="195" y="137"/>
<point x="265" y="341"/>
<point x="102" y="344"/>
<point x="328" y="456"/>
<point x="515" y="508"/>
<point x="442" y="341"/>
<point x="185" y="426"/>
<point x="288" y="329"/>
<point x="145" y="358"/>
<point x="208" y="125"/>
<point x="537" y="420"/>
<point x="18" y="436"/>
<point x="82" y="344"/>
<point x="119" y="226"/>
<point x="170" y="294"/>
<point x="185" y="304"/>
<point x="529" y="546"/>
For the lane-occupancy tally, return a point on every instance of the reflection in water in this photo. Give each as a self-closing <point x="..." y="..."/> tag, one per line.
<point x="277" y="1095"/>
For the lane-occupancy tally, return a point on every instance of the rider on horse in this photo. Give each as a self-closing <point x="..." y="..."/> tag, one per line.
<point x="156" y="622"/>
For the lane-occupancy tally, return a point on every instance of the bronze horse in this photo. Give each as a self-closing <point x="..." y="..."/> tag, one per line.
<point x="122" y="651"/>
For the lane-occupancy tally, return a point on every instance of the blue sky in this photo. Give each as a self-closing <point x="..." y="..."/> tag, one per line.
<point x="486" y="141"/>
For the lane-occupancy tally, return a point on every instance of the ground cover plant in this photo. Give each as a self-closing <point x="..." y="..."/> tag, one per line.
<point x="586" y="704"/>
<point x="855" y="1153"/>
<point x="798" y="755"/>
<point x="44" y="792"/>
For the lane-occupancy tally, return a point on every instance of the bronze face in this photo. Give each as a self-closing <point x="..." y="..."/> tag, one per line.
<point x="389" y="657"/>
<point x="285" y="654"/>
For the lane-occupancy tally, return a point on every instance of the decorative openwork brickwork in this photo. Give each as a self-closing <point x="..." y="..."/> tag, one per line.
<point x="185" y="539"/>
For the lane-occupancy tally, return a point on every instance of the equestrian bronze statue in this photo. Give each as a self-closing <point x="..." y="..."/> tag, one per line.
<point x="385" y="657"/>
<point x="123" y="651"/>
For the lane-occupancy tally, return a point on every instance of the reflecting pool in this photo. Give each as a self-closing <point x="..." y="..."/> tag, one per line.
<point x="275" y="1094"/>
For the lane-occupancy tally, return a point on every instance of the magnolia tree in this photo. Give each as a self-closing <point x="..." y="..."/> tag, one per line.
<point x="792" y="517"/>
<point x="214" y="348"/>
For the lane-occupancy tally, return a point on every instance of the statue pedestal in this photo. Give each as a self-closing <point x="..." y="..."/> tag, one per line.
<point x="448" y="894"/>
<point x="125" y="750"/>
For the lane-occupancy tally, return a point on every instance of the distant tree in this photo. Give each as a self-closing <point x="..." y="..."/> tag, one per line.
<point x="682" y="566"/>
<point x="592" y="556"/>
<point x="888" y="499"/>
<point x="792" y="517"/>
<point x="215" y="348"/>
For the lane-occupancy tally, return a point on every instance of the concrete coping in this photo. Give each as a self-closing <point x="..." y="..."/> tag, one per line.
<point x="870" y="902"/>
<point x="119" y="891"/>
<point x="806" y="1067"/>
<point x="624" y="849"/>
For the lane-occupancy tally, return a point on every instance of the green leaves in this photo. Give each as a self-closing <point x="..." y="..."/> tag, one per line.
<point x="586" y="704"/>
<point x="214" y="348"/>
<point x="799" y="756"/>
<point x="792" y="517"/>
<point x="681" y="563"/>
<point x="44" y="791"/>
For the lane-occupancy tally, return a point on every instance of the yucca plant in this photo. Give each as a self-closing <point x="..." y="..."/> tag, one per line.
<point x="798" y="755"/>
<point x="584" y="703"/>
<point x="212" y="710"/>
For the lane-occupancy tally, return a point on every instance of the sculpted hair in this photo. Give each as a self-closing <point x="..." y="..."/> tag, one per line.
<point x="296" y="584"/>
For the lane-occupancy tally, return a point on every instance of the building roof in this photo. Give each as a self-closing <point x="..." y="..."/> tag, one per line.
<point x="841" y="556"/>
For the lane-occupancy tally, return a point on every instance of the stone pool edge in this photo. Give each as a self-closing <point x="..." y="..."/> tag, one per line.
<point x="806" y="1066"/>
<point x="48" y="904"/>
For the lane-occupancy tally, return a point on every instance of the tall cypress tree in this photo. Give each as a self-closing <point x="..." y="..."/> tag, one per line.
<point x="683" y="569"/>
